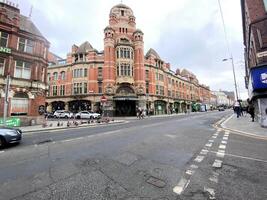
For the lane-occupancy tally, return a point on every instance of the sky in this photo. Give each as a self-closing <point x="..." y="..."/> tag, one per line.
<point x="186" y="33"/>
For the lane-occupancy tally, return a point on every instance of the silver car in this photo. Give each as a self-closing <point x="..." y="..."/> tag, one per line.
<point x="9" y="136"/>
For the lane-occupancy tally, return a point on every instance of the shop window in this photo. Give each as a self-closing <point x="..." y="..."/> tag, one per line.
<point x="23" y="70"/>
<point x="19" y="104"/>
<point x="3" y="39"/>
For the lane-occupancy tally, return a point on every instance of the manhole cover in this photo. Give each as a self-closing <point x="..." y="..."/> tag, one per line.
<point x="156" y="182"/>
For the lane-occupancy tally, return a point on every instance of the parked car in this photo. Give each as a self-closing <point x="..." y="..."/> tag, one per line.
<point x="87" y="115"/>
<point x="9" y="136"/>
<point x="62" y="114"/>
<point x="221" y="108"/>
<point x="49" y="114"/>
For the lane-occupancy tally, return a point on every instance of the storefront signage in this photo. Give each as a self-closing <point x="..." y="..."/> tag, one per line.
<point x="259" y="78"/>
<point x="5" y="50"/>
<point x="11" y="122"/>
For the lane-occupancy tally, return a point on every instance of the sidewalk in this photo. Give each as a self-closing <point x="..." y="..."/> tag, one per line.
<point x="244" y="125"/>
<point x="53" y="125"/>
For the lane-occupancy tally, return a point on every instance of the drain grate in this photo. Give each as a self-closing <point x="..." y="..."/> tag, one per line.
<point x="156" y="182"/>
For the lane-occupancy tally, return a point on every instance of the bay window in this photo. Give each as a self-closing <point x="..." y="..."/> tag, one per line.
<point x="22" y="70"/>
<point x="26" y="45"/>
<point x="2" y="66"/>
<point x="3" y="39"/>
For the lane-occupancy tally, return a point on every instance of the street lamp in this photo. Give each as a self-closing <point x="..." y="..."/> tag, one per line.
<point x="233" y="68"/>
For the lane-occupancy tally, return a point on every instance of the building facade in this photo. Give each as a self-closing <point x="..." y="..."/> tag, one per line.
<point x="121" y="78"/>
<point x="23" y="58"/>
<point x="254" y="16"/>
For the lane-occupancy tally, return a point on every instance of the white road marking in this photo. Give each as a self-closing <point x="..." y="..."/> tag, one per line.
<point x="224" y="142"/>
<point x="211" y="141"/>
<point x="204" y="151"/>
<point x="221" y="151"/>
<point x="199" y="158"/>
<point x="190" y="172"/>
<point x="171" y="136"/>
<point x="214" y="137"/>
<point x="243" y="157"/>
<point x="211" y="192"/>
<point x="222" y="146"/>
<point x="225" y="138"/>
<point x="227" y="132"/>
<point x="208" y="145"/>
<point x="214" y="177"/>
<point x="220" y="155"/>
<point x="217" y="164"/>
<point x="193" y="166"/>
<point x="2" y="151"/>
<point x="215" y="134"/>
<point x="182" y="185"/>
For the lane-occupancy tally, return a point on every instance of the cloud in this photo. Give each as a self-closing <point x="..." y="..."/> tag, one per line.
<point x="186" y="33"/>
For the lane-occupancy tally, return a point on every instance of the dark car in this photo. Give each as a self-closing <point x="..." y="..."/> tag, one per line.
<point x="9" y="136"/>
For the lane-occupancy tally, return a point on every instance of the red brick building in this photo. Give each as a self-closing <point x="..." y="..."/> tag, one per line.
<point x="254" y="16"/>
<point x="23" y="56"/>
<point x="121" y="74"/>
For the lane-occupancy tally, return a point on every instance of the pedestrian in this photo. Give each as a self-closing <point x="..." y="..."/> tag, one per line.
<point x="251" y="110"/>
<point x="237" y="109"/>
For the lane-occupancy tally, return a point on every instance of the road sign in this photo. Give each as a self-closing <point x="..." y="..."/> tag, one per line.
<point x="11" y="122"/>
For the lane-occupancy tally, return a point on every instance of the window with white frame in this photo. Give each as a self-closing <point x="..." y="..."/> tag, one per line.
<point x="26" y="45"/>
<point x="62" y="90"/>
<point x="55" y="76"/>
<point x="80" y="88"/>
<point x="3" y="39"/>
<point x="23" y="69"/>
<point x="54" y="90"/>
<point x="2" y="66"/>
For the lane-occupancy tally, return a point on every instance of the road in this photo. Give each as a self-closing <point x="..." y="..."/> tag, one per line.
<point x="176" y="157"/>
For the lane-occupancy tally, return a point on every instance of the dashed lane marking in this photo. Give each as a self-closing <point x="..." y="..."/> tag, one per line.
<point x="181" y="186"/>
<point x="211" y="141"/>
<point x="224" y="142"/>
<point x="225" y="138"/>
<point x="2" y="151"/>
<point x="211" y="192"/>
<point x="217" y="163"/>
<point x="214" y="177"/>
<point x="242" y="157"/>
<point x="204" y="152"/>
<point x="208" y="145"/>
<point x="222" y="146"/>
<point x="193" y="166"/>
<point x="190" y="172"/>
<point x="199" y="158"/>
<point x="220" y="154"/>
<point x="214" y="137"/>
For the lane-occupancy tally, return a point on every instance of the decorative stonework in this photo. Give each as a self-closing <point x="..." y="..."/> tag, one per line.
<point x="109" y="89"/>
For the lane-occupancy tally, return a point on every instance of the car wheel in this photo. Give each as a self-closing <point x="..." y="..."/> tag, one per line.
<point x="2" y="142"/>
<point x="78" y="117"/>
<point x="91" y="117"/>
<point x="66" y="117"/>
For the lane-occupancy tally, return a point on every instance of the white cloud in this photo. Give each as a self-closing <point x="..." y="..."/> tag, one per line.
<point x="187" y="33"/>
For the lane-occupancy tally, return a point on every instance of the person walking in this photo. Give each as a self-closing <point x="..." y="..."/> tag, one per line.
<point x="251" y="110"/>
<point x="237" y="109"/>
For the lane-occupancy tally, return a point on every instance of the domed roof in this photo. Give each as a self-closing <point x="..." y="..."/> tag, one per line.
<point x="85" y="47"/>
<point x="116" y="9"/>
<point x="152" y="52"/>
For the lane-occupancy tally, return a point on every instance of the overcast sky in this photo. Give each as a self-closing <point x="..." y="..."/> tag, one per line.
<point x="187" y="33"/>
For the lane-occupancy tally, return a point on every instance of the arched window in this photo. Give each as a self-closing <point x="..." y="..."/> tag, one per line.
<point x="55" y="76"/>
<point x="62" y="75"/>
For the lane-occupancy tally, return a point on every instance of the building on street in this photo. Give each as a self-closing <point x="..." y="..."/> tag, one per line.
<point x="254" y="18"/>
<point x="23" y="57"/>
<point x="122" y="75"/>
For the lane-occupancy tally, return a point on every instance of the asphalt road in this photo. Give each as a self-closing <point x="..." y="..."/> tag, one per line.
<point x="155" y="158"/>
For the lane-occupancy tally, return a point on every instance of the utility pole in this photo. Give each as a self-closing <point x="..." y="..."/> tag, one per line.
<point x="6" y="98"/>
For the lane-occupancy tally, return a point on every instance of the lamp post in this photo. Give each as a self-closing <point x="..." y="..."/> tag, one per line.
<point x="233" y="68"/>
